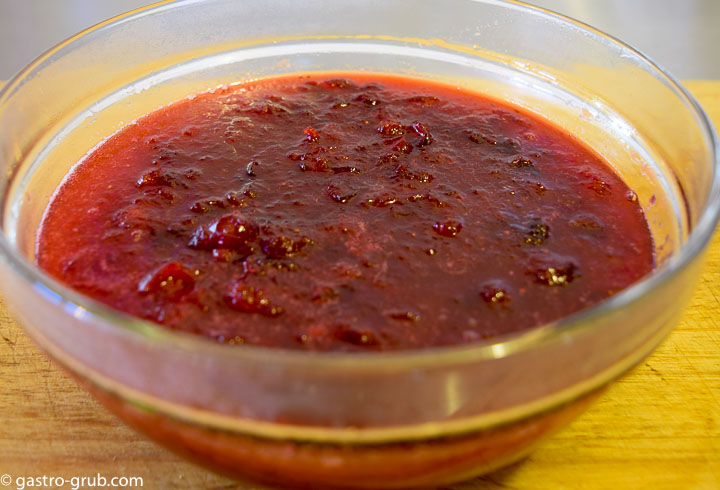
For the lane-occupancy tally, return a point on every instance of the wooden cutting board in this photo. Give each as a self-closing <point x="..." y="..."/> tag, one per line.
<point x="657" y="428"/>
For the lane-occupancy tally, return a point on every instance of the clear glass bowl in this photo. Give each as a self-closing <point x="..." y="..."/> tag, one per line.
<point x="363" y="420"/>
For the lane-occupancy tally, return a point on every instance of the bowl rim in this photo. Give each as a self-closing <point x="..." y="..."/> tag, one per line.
<point x="494" y="348"/>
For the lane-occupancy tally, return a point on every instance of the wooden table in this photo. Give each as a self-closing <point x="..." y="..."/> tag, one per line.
<point x="658" y="428"/>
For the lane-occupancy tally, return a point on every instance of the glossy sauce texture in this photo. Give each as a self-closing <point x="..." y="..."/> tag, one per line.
<point x="351" y="213"/>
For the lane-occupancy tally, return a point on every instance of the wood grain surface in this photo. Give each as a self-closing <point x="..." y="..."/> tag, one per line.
<point x="657" y="428"/>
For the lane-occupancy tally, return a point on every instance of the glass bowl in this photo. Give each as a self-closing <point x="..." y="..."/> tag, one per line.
<point x="413" y="418"/>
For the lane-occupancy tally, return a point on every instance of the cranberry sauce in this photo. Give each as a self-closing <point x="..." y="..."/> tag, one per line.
<point x="352" y="213"/>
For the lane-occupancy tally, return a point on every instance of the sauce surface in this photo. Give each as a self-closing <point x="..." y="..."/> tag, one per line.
<point x="351" y="213"/>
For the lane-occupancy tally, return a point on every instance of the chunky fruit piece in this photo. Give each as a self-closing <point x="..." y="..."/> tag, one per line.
<point x="248" y="299"/>
<point x="448" y="228"/>
<point x="229" y="232"/>
<point x="171" y="281"/>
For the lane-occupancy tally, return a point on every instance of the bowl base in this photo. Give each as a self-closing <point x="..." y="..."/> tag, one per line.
<point x="298" y="464"/>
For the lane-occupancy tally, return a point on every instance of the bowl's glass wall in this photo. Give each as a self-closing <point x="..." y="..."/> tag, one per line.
<point x="606" y="94"/>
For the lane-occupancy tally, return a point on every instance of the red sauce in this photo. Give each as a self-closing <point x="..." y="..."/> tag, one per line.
<point x="355" y="213"/>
